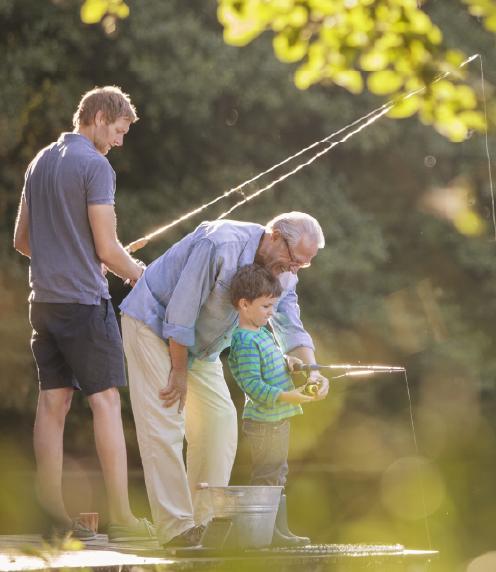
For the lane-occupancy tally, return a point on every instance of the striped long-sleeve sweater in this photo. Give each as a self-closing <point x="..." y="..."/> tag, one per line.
<point x="259" y="368"/>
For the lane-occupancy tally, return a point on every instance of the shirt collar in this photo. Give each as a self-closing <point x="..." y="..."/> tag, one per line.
<point x="68" y="137"/>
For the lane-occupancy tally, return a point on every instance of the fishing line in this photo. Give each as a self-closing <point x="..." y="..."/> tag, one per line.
<point x="141" y="242"/>
<point x="486" y="138"/>
<point x="367" y="119"/>
<point x="419" y="477"/>
<point x="350" y="370"/>
<point x="302" y="165"/>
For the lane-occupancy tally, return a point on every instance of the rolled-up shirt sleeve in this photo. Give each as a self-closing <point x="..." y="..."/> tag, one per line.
<point x="195" y="282"/>
<point x="287" y="325"/>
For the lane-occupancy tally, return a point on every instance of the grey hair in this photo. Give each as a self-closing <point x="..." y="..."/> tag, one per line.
<point x="294" y="225"/>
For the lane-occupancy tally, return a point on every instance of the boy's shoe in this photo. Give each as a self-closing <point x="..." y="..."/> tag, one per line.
<point x="187" y="539"/>
<point x="75" y="530"/>
<point x="142" y="530"/>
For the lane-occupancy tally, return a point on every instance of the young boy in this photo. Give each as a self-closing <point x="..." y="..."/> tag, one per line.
<point x="262" y="372"/>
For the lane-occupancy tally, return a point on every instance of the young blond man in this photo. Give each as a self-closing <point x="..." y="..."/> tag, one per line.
<point x="66" y="225"/>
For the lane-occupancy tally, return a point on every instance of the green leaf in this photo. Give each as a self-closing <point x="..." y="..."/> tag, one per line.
<point x="384" y="82"/>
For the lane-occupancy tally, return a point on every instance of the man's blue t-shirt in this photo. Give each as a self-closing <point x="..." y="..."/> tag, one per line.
<point x="60" y="183"/>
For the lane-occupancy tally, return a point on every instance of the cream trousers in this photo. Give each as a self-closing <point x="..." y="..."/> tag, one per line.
<point x="208" y="422"/>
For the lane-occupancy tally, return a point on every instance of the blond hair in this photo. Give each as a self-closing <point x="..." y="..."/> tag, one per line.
<point x="110" y="100"/>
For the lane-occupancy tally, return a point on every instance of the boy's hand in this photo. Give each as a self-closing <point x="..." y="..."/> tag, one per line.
<point x="322" y="382"/>
<point x="295" y="396"/>
<point x="291" y="361"/>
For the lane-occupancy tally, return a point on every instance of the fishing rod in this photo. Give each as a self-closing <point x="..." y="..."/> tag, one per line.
<point x="357" y="125"/>
<point x="312" y="387"/>
<point x="349" y="370"/>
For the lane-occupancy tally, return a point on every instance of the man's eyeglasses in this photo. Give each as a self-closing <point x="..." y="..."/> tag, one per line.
<point x="292" y="257"/>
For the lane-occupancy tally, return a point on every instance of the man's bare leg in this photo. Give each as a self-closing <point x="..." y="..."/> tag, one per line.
<point x="111" y="449"/>
<point x="48" y="441"/>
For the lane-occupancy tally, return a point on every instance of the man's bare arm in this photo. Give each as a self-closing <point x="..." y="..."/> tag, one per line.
<point x="108" y="248"/>
<point x="21" y="231"/>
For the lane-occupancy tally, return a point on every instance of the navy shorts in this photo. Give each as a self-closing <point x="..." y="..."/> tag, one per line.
<point x="77" y="345"/>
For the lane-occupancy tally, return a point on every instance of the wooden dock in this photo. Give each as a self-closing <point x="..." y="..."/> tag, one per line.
<point x="29" y="552"/>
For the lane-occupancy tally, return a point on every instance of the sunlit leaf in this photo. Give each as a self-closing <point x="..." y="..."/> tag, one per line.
<point x="394" y="42"/>
<point x="329" y="37"/>
<point x="418" y="52"/>
<point x="405" y="107"/>
<point x="454" y="129"/>
<point x="473" y="120"/>
<point x="323" y="7"/>
<point x="384" y="82"/>
<point x="316" y="55"/>
<point x="304" y="77"/>
<point x="240" y="36"/>
<point x="298" y="17"/>
<point x="465" y="95"/>
<point x="350" y="80"/>
<point x="92" y="11"/>
<point x="490" y="23"/>
<point x="469" y="223"/>
<point x="374" y="61"/>
<point x="443" y="89"/>
<point x="420" y="23"/>
<point x="121" y="10"/>
<point x="357" y="39"/>
<point x="389" y="40"/>
<point x="287" y="51"/>
<point x="454" y="57"/>
<point x="477" y="10"/>
<point x="435" y="35"/>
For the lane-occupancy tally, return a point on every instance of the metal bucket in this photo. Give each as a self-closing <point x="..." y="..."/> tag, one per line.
<point x="252" y="510"/>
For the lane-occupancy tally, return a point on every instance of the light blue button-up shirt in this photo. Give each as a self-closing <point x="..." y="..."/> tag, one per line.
<point x="184" y="294"/>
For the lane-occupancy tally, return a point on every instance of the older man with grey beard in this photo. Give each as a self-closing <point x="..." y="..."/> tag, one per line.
<point x="175" y="323"/>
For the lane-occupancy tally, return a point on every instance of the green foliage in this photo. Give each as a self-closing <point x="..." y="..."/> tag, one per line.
<point x="485" y="9"/>
<point x="105" y="11"/>
<point x="390" y="46"/>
